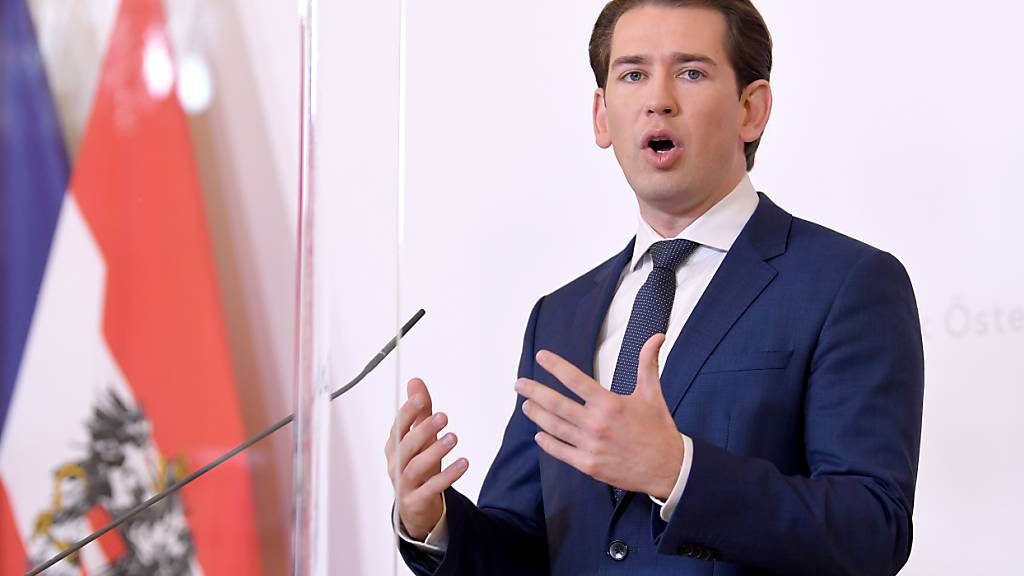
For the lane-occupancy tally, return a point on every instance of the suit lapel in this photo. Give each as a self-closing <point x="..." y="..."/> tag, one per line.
<point x="743" y="275"/>
<point x="592" y="309"/>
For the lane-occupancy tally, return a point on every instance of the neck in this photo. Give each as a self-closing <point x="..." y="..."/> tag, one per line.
<point x="669" y="221"/>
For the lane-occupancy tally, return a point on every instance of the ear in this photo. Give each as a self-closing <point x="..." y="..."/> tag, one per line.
<point x="756" y="101"/>
<point x="601" y="134"/>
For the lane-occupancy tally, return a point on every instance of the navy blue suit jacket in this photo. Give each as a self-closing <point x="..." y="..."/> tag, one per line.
<point x="799" y="376"/>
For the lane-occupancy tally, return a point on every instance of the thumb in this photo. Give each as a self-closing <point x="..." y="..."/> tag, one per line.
<point x="647" y="380"/>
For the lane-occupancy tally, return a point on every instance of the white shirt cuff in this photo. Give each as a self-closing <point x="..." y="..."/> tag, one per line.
<point x="436" y="540"/>
<point x="669" y="506"/>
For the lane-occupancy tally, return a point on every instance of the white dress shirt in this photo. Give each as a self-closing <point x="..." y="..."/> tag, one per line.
<point x="715" y="231"/>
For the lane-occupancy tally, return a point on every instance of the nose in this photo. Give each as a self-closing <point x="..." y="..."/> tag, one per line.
<point x="661" y="100"/>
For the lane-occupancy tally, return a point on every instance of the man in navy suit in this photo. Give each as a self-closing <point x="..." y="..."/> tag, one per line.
<point x="737" y="392"/>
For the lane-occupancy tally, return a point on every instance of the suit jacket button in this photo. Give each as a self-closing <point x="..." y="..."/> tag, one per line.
<point x="618" y="550"/>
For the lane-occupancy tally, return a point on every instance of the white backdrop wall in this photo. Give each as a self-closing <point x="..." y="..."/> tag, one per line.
<point x="896" y="123"/>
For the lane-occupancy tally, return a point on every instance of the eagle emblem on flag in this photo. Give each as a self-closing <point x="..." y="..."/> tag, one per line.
<point x="120" y="469"/>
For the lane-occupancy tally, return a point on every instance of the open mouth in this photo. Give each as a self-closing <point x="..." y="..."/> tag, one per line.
<point x="661" y="149"/>
<point x="661" y="145"/>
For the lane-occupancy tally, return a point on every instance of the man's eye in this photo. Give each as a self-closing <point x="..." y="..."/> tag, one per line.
<point x="633" y="76"/>
<point x="693" y="74"/>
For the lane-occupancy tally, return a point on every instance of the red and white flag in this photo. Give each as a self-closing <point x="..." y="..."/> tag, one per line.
<point x="126" y="383"/>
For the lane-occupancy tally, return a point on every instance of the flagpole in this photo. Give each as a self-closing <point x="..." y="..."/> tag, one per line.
<point x="312" y="345"/>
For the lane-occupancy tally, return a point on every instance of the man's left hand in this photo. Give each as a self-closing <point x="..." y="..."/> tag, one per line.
<point x="630" y="442"/>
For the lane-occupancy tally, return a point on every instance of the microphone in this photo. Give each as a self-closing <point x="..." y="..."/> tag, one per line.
<point x="377" y="359"/>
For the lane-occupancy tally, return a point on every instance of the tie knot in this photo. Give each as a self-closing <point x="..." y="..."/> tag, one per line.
<point x="671" y="253"/>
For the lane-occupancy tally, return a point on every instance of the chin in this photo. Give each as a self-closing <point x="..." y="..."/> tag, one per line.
<point x="663" y="193"/>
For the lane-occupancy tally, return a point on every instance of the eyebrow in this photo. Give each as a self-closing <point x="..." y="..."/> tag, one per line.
<point x="676" y="57"/>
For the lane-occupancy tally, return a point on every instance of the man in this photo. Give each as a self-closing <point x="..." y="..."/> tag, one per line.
<point x="782" y="433"/>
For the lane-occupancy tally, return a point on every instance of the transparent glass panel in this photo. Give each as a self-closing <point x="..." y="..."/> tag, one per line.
<point x="148" y="161"/>
<point x="357" y="152"/>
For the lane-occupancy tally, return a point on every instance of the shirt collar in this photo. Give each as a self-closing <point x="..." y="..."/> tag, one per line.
<point x="717" y="228"/>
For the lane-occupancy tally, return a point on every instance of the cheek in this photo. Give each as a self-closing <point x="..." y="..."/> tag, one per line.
<point x="621" y="141"/>
<point x="713" y="124"/>
<point x="617" y="128"/>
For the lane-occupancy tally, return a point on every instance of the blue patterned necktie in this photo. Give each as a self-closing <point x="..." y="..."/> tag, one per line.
<point x="651" y="311"/>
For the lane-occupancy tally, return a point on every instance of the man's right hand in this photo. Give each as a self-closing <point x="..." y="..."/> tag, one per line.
<point x="414" y="456"/>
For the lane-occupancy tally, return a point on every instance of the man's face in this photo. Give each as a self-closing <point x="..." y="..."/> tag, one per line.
<point x="671" y="108"/>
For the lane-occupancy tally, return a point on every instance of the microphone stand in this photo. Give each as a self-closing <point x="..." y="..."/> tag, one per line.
<point x="377" y="359"/>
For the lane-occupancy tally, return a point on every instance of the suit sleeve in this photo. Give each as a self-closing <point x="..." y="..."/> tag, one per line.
<point x="862" y="425"/>
<point x="505" y="534"/>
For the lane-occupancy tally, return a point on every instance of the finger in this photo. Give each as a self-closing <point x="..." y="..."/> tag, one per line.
<point x="419" y="438"/>
<point x="427" y="462"/>
<point x="407" y="413"/>
<point x="647" y="380"/>
<point x="565" y="408"/>
<point x="418" y="386"/>
<point x="411" y="411"/>
<point x="552" y="424"/>
<point x="582" y="385"/>
<point x="560" y="450"/>
<point x="443" y="480"/>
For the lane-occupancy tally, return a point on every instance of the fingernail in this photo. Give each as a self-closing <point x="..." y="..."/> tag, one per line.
<point x="438" y="419"/>
<point x="519" y="385"/>
<point x="542" y="355"/>
<point x="449" y="440"/>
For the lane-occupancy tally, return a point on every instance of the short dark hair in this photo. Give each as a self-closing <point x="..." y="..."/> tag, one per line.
<point x="747" y="42"/>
